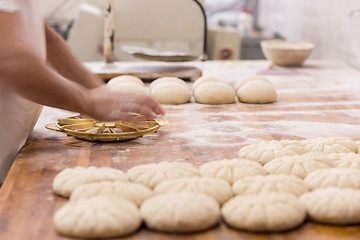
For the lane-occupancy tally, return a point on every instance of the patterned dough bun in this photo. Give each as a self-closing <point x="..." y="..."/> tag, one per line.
<point x="231" y="170"/>
<point x="133" y="192"/>
<point x="171" y="93"/>
<point x="294" y="145"/>
<point x="152" y="174"/>
<point x="257" y="92"/>
<point x="180" y="212"/>
<point x="334" y="177"/>
<point x="358" y="144"/>
<point x="215" y="188"/>
<point x="202" y="80"/>
<point x="281" y="183"/>
<point x="163" y="80"/>
<point x="130" y="87"/>
<point x="247" y="79"/>
<point x="214" y="93"/>
<point x="272" y="212"/>
<point x="70" y="178"/>
<point x="300" y="165"/>
<point x="98" y="217"/>
<point x="123" y="79"/>
<point x="345" y="160"/>
<point x="333" y="205"/>
<point x="266" y="151"/>
<point x="331" y="145"/>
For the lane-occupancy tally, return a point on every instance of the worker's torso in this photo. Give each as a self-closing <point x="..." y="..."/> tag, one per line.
<point x="17" y="115"/>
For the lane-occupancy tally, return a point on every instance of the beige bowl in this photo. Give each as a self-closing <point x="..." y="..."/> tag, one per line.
<point x="286" y="53"/>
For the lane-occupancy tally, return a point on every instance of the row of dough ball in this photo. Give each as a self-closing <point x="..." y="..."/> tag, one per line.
<point x="230" y="171"/>
<point x="206" y="90"/>
<point x="252" y="89"/>
<point x="329" y="166"/>
<point x="282" y="211"/>
<point x="280" y="192"/>
<point x="95" y="199"/>
<point x="166" y="90"/>
<point x="264" y="152"/>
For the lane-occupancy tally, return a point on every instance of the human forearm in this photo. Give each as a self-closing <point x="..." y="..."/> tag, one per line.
<point x="61" y="58"/>
<point x="32" y="79"/>
<point x="28" y="74"/>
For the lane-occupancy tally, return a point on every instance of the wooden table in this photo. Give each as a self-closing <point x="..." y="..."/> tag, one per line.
<point x="320" y="99"/>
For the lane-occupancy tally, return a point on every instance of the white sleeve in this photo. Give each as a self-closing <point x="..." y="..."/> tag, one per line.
<point x="8" y="5"/>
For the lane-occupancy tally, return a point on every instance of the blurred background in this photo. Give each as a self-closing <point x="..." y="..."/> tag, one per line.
<point x="223" y="30"/>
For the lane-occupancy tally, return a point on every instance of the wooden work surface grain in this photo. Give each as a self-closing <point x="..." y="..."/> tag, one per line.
<point x="320" y="99"/>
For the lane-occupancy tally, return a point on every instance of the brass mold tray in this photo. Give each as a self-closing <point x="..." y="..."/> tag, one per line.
<point x="92" y="130"/>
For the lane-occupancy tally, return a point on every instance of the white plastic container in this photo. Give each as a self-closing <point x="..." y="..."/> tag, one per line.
<point x="245" y="23"/>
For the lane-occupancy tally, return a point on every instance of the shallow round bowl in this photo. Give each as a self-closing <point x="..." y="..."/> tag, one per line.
<point x="286" y="53"/>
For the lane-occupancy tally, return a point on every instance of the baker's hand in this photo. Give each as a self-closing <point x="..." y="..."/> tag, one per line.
<point x="107" y="105"/>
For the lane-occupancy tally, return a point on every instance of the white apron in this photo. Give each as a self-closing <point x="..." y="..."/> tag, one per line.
<point x="18" y="115"/>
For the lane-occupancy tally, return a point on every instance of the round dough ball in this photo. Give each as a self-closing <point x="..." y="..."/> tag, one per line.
<point x="333" y="205"/>
<point x="152" y="174"/>
<point x="345" y="160"/>
<point x="133" y="192"/>
<point x="202" y="80"/>
<point x="297" y="147"/>
<point x="214" y="93"/>
<point x="272" y="212"/>
<point x="294" y="145"/>
<point x="266" y="151"/>
<point x="331" y="145"/>
<point x="218" y="189"/>
<point x="163" y="80"/>
<point x="171" y="93"/>
<point x="257" y="91"/>
<point x="231" y="170"/>
<point x="299" y="166"/>
<point x="245" y="80"/>
<point x="180" y="212"/>
<point x="334" y="177"/>
<point x="70" y="178"/>
<point x="98" y="217"/>
<point x="125" y="78"/>
<point x="130" y="87"/>
<point x="270" y="184"/>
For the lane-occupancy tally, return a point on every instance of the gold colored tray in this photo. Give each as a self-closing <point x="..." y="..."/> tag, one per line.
<point x="92" y="130"/>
